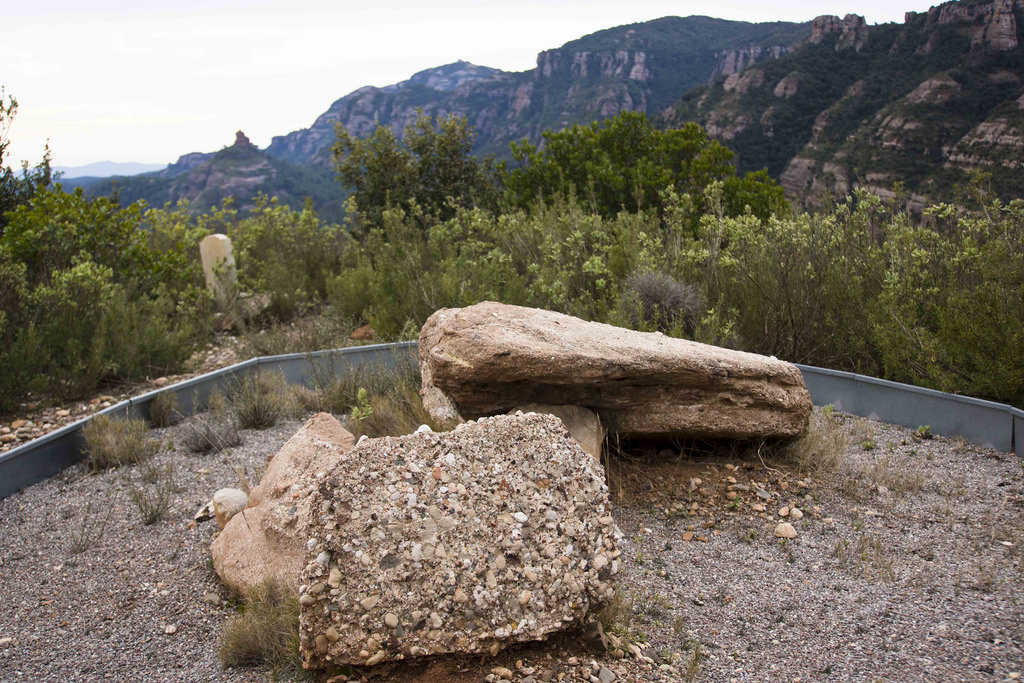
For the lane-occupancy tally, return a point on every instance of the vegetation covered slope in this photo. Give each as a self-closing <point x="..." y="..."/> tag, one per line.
<point x="919" y="104"/>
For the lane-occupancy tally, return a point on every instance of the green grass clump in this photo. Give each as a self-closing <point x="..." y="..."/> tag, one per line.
<point x="265" y="632"/>
<point x="112" y="442"/>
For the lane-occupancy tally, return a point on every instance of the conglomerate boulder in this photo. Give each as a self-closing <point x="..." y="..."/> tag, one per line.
<point x="466" y="541"/>
<point x="489" y="358"/>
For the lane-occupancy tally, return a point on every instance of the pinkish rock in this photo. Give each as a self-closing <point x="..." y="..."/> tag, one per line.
<point x="268" y="538"/>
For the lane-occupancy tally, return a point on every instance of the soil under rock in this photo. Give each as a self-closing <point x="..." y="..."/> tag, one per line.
<point x="907" y="565"/>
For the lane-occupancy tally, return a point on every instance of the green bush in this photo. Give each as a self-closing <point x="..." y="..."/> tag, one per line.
<point x="286" y="254"/>
<point x="797" y="288"/>
<point x="949" y="314"/>
<point x="90" y="294"/>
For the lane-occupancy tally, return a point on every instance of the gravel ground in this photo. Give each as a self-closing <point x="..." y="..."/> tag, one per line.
<point x="907" y="566"/>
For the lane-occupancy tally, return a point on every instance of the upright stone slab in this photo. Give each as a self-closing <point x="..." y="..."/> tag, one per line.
<point x="218" y="266"/>
<point x="457" y="542"/>
<point x="268" y="538"/>
<point x="491" y="357"/>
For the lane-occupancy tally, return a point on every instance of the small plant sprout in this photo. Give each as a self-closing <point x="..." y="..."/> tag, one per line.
<point x="362" y="409"/>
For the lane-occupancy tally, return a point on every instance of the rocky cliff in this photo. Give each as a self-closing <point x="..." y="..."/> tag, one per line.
<point x="640" y="67"/>
<point x="920" y="104"/>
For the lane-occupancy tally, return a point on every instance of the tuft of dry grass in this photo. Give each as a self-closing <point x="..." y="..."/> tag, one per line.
<point x="883" y="472"/>
<point x="378" y="400"/>
<point x="819" y="449"/>
<point x="265" y="632"/>
<point x="163" y="410"/>
<point x="155" y="499"/>
<point x="868" y="558"/>
<point x="212" y="431"/>
<point x="89" y="530"/>
<point x="303" y="335"/>
<point x="399" y="411"/>
<point x="620" y="616"/>
<point x="112" y="442"/>
<point x="262" y="400"/>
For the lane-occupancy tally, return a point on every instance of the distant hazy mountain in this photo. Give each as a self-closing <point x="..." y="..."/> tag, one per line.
<point x="106" y="169"/>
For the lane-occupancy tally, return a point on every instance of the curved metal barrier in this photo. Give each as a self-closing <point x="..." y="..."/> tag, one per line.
<point x="981" y="422"/>
<point x="49" y="454"/>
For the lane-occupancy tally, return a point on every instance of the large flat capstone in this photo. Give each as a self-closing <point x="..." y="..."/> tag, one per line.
<point x="458" y="542"/>
<point x="488" y="358"/>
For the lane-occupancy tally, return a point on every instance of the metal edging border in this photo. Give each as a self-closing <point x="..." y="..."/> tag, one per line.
<point x="1018" y="431"/>
<point x="46" y="456"/>
<point x="981" y="422"/>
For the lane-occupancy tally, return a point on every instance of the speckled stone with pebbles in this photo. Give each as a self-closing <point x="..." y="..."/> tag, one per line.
<point x="458" y="542"/>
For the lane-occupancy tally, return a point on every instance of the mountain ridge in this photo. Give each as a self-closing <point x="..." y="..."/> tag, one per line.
<point x="912" y="107"/>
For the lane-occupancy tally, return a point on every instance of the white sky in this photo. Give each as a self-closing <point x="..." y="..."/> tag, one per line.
<point x="124" y="80"/>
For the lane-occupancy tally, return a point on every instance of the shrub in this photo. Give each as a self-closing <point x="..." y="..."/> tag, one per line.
<point x="286" y="254"/>
<point x="88" y="294"/>
<point x="657" y="301"/>
<point x="112" y="442"/>
<point x="265" y="632"/>
<point x="163" y="409"/>
<point x="260" y="401"/>
<point x="796" y="288"/>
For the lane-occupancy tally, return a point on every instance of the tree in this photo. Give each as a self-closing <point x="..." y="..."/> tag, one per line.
<point x="431" y="167"/>
<point x="17" y="189"/>
<point x="625" y="164"/>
